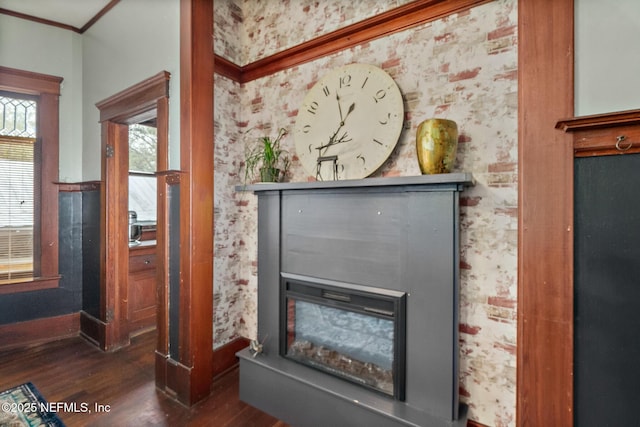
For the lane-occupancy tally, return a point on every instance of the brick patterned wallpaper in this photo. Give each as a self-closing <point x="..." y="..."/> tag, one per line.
<point x="464" y="68"/>
<point x="248" y="30"/>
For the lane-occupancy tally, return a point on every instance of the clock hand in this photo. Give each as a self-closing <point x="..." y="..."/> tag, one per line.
<point x="351" y="108"/>
<point x="339" y="108"/>
<point x="332" y="139"/>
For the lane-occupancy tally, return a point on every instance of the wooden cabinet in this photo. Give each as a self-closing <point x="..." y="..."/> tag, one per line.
<point x="142" y="288"/>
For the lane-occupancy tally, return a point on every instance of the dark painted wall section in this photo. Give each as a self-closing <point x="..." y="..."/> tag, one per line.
<point x="607" y="290"/>
<point x="174" y="272"/>
<point x="65" y="299"/>
<point x="91" y="252"/>
<point x="79" y="262"/>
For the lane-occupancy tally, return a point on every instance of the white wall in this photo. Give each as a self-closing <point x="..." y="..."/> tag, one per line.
<point x="607" y="56"/>
<point x="134" y="41"/>
<point x="49" y="50"/>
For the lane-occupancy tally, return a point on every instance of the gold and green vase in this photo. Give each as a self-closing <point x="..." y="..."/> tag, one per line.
<point x="436" y="145"/>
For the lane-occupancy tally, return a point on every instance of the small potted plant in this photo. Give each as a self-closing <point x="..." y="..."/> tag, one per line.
<point x="267" y="159"/>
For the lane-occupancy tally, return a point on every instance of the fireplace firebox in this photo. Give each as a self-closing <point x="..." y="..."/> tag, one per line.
<point x="353" y="332"/>
<point x="358" y="290"/>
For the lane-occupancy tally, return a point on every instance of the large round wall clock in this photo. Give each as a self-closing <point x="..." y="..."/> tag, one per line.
<point x="349" y="123"/>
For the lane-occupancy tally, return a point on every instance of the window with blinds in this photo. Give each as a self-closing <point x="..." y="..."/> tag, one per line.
<point x="17" y="175"/>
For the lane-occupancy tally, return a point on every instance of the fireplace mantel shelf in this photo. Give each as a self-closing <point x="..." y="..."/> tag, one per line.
<point x="455" y="179"/>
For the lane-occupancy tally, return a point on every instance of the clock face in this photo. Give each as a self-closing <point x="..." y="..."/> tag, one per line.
<point x="349" y="123"/>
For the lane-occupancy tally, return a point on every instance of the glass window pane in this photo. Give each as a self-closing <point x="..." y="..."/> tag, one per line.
<point x="142" y="196"/>
<point x="17" y="117"/>
<point x="142" y="148"/>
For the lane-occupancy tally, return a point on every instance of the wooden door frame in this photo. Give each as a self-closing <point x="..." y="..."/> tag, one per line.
<point x="138" y="103"/>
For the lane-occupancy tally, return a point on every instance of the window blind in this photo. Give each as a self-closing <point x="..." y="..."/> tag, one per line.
<point x="16" y="207"/>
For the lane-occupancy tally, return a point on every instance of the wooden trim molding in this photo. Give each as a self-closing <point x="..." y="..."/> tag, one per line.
<point x="57" y="24"/>
<point x="390" y="22"/>
<point x="172" y="177"/>
<point x="92" y="329"/>
<point x="46" y="160"/>
<point x="604" y="134"/>
<point x="597" y="121"/>
<point x="114" y="251"/>
<point x="39" y="331"/>
<point x="28" y="82"/>
<point x="98" y="15"/>
<point x="75" y="187"/>
<point x="224" y="358"/>
<point x="545" y="214"/>
<point x="136" y="103"/>
<point x="35" y="284"/>
<point x="228" y="69"/>
<point x="32" y="18"/>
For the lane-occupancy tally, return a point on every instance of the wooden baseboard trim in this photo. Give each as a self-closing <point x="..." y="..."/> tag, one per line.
<point x="178" y="382"/>
<point x="39" y="331"/>
<point x="92" y="329"/>
<point x="224" y="357"/>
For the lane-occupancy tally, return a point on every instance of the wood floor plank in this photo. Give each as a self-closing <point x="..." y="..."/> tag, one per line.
<point x="72" y="371"/>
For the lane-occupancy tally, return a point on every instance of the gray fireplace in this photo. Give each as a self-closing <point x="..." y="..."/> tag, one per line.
<point x="358" y="302"/>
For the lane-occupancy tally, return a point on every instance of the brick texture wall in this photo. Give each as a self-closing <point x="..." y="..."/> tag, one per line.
<point x="464" y="68"/>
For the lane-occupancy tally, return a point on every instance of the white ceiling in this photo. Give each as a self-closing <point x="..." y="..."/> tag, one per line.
<point x="69" y="12"/>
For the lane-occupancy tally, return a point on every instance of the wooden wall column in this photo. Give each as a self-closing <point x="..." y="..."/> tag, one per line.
<point x="189" y="377"/>
<point x="545" y="249"/>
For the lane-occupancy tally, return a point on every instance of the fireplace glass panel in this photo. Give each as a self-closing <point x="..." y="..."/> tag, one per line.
<point x="354" y="336"/>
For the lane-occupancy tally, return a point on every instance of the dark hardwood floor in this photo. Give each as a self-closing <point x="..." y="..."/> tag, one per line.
<point x="71" y="370"/>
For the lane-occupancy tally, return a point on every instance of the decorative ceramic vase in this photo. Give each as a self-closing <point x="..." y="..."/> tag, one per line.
<point x="436" y="145"/>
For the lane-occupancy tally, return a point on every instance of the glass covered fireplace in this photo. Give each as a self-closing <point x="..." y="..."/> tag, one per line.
<point x="350" y="331"/>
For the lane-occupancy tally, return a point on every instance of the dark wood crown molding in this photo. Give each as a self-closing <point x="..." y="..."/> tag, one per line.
<point x="99" y="15"/>
<point x="226" y="68"/>
<point x="84" y="28"/>
<point x="390" y="22"/>
<point x="39" y="20"/>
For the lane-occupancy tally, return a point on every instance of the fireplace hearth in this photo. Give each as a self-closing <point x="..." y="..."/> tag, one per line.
<point x="358" y="286"/>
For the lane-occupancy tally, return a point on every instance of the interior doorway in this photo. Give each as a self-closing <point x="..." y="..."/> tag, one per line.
<point x="142" y="221"/>
<point x="128" y="279"/>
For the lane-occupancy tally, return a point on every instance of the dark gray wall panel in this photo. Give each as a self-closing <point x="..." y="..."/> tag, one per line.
<point x="67" y="298"/>
<point x="174" y="271"/>
<point x="91" y="252"/>
<point x="607" y="290"/>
